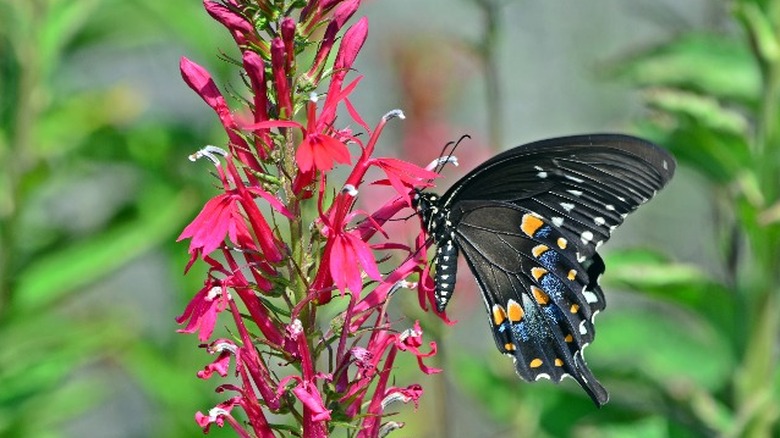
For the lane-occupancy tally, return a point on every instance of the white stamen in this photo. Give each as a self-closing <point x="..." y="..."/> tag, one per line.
<point x="393" y="114"/>
<point x="451" y="159"/>
<point x="214" y="292"/>
<point x="313" y="97"/>
<point x="209" y="152"/>
<point x="215" y="413"/>
<point x="388" y="427"/>
<point x="350" y="190"/>
<point x="219" y="347"/>
<point x="295" y="328"/>
<point x="409" y="332"/>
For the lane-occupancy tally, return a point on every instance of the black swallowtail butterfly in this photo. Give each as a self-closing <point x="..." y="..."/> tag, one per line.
<point x="529" y="222"/>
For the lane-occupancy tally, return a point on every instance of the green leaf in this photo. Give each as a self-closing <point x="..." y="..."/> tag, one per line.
<point x="759" y="25"/>
<point x="671" y="347"/>
<point x="682" y="284"/>
<point x="719" y="66"/>
<point x="706" y="110"/>
<point x="161" y="214"/>
<point x="651" y="427"/>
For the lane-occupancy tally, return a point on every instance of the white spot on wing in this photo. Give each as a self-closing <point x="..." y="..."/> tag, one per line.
<point x="567" y="206"/>
<point x="557" y="221"/>
<point x="583" y="329"/>
<point x="576" y="193"/>
<point x="542" y="376"/>
<point x="590" y="297"/>
<point x="599" y="220"/>
<point x="574" y="178"/>
<point x="586" y="237"/>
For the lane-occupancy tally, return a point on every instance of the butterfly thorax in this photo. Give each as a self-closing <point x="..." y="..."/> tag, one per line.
<point x="436" y="221"/>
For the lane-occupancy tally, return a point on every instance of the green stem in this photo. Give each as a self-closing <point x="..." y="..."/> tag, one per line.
<point x="19" y="153"/>
<point x="487" y="50"/>
<point x="757" y="405"/>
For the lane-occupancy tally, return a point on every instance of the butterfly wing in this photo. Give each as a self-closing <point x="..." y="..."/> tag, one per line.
<point x="529" y="222"/>
<point x="583" y="185"/>
<point x="540" y="299"/>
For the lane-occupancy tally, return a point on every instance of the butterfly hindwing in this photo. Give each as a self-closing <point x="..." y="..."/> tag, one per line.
<point x="534" y="291"/>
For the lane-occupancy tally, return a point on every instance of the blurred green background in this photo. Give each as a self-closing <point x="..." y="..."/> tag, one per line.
<point x="96" y="125"/>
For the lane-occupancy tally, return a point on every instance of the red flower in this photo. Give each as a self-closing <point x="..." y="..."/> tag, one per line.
<point x="411" y="393"/>
<point x="220" y="217"/>
<point x="224" y="349"/>
<point x="348" y="254"/>
<point x="404" y="176"/>
<point x="319" y="151"/>
<point x="309" y="395"/>
<point x="203" y="309"/>
<point x="411" y="340"/>
<point x="201" y="82"/>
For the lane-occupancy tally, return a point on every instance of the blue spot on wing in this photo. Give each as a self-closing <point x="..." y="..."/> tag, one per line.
<point x="552" y="285"/>
<point x="549" y="259"/>
<point x="543" y="231"/>
<point x="553" y="313"/>
<point x="520" y="331"/>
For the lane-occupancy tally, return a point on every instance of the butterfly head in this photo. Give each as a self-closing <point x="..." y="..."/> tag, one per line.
<point x="432" y="212"/>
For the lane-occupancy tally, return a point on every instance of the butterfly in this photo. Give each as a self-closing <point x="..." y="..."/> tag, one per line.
<point x="529" y="222"/>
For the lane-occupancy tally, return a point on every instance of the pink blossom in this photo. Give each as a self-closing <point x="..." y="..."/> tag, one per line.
<point x="202" y="311"/>
<point x="287" y="233"/>
<point x="320" y="151"/>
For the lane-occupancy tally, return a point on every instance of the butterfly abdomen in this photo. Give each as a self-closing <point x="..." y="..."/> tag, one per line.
<point x="446" y="270"/>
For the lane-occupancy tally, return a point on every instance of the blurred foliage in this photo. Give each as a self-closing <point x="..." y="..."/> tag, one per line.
<point x="92" y="182"/>
<point x="689" y="353"/>
<point x="91" y="185"/>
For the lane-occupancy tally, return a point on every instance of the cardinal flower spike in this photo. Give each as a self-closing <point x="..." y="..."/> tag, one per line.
<point x="529" y="222"/>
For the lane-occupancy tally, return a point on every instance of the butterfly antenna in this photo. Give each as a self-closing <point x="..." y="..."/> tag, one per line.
<point x="448" y="157"/>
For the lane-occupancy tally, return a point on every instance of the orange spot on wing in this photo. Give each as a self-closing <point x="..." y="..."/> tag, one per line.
<point x="538" y="250"/>
<point x="537" y="273"/>
<point x="536" y="363"/>
<point x="542" y="298"/>
<point x="514" y="311"/>
<point x="558" y="362"/>
<point x="572" y="275"/>
<point x="530" y="224"/>
<point x="499" y="315"/>
<point x="562" y="243"/>
<point x="569" y="338"/>
<point x="509" y="346"/>
<point x="574" y="308"/>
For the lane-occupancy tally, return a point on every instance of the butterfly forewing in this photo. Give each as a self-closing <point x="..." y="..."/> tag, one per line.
<point x="529" y="222"/>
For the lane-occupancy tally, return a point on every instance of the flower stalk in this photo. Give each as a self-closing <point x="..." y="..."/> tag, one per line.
<point x="270" y="279"/>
